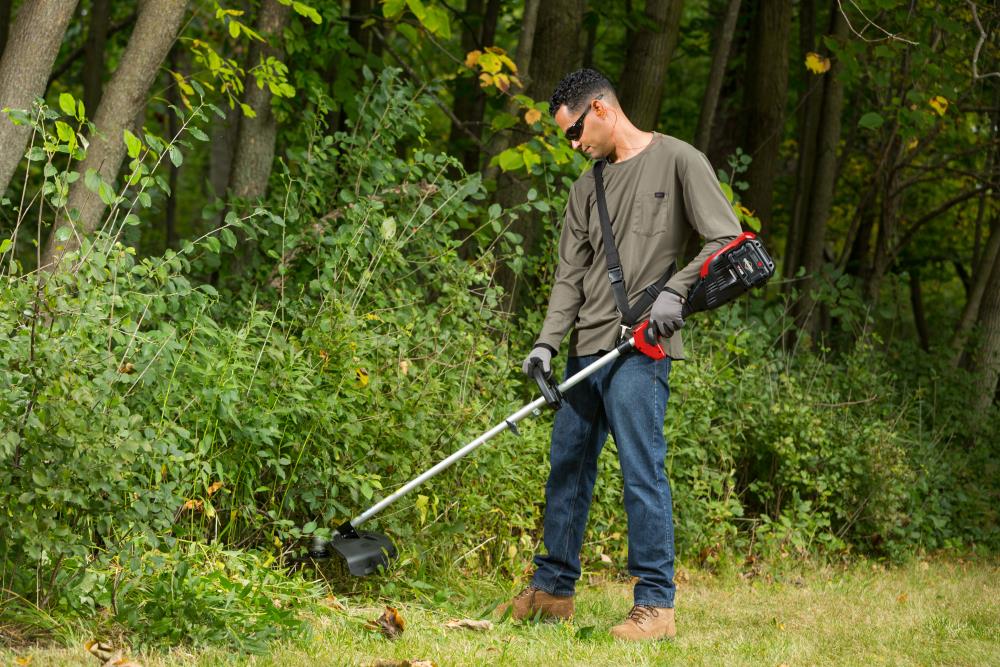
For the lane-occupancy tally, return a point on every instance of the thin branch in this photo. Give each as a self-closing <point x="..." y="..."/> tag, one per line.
<point x="982" y="40"/>
<point x="416" y="77"/>
<point x="912" y="231"/>
<point x="888" y="35"/>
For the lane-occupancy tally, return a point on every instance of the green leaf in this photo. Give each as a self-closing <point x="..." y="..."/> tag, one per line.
<point x="307" y="11"/>
<point x="63" y="233"/>
<point x="176" y="157"/>
<point x="198" y="134"/>
<point x="495" y="210"/>
<point x="234" y="29"/>
<point x="67" y="104"/>
<point x="106" y="194"/>
<point x="728" y="191"/>
<point x="511" y="159"/>
<point x="228" y="237"/>
<point x="871" y="121"/>
<point x="132" y="219"/>
<point x="92" y="180"/>
<point x="417" y="7"/>
<point x="36" y="154"/>
<point x="391" y="9"/>
<point x="436" y="20"/>
<point x="5" y="245"/>
<point x="65" y="132"/>
<point x="133" y="144"/>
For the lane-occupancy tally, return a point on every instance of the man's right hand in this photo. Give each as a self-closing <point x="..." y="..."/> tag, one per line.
<point x="543" y="355"/>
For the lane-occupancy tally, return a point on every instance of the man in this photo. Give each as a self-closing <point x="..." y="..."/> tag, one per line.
<point x="658" y="190"/>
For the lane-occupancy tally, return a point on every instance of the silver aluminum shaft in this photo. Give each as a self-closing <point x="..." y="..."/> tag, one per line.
<point x="496" y="430"/>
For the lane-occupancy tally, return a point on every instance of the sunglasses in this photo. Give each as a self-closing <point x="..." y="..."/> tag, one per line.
<point x="575" y="131"/>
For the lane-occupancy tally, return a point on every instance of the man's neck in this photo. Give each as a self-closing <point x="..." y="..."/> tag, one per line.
<point x="630" y="142"/>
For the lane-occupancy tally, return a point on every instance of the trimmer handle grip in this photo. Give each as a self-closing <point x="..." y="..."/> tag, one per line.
<point x="550" y="392"/>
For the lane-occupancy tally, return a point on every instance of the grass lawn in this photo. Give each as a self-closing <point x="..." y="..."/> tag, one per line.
<point x="941" y="612"/>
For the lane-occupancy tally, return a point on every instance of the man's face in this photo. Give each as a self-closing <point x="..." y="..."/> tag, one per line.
<point x="594" y="140"/>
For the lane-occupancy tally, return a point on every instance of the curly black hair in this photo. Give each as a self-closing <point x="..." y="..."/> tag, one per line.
<point x="578" y="88"/>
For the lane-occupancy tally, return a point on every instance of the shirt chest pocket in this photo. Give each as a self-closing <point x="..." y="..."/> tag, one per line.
<point x="650" y="213"/>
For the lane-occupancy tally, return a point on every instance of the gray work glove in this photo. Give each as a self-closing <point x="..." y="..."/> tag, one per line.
<point x="665" y="317"/>
<point x="544" y="355"/>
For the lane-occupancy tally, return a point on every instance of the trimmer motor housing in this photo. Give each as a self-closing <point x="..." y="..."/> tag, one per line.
<point x="736" y="268"/>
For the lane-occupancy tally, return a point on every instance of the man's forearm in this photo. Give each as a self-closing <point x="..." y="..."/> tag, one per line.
<point x="682" y="281"/>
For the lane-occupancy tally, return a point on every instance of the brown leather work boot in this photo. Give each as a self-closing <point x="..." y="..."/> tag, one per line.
<point x="532" y="601"/>
<point x="646" y="623"/>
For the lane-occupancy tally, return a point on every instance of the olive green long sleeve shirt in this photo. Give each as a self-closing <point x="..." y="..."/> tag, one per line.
<point x="655" y="200"/>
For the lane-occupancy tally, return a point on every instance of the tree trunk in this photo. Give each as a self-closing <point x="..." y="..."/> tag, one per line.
<point x="647" y="58"/>
<point x="255" y="145"/>
<point x="986" y="359"/>
<point x="767" y="89"/>
<point x="124" y="98"/>
<point x="24" y="70"/>
<point x="720" y="57"/>
<point x="93" y="60"/>
<point x="470" y="98"/>
<point x="559" y="24"/>
<point x="973" y="303"/>
<point x="808" y="126"/>
<point x="824" y="179"/>
<point x="917" y="304"/>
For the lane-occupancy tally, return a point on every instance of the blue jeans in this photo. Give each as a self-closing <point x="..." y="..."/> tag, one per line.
<point x="629" y="400"/>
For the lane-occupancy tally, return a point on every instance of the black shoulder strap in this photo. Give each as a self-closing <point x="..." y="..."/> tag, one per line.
<point x="630" y="314"/>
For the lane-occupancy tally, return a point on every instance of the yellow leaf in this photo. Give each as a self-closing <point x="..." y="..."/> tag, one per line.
<point x="485" y="80"/>
<point x="496" y="50"/>
<point x="215" y="487"/>
<point x="532" y="116"/>
<point x="362" y="376"/>
<point x="502" y="81"/>
<point x="939" y="103"/>
<point x="912" y="143"/>
<point x="744" y="210"/>
<point x="26" y="660"/>
<point x="472" y="57"/>
<point x="816" y="63"/>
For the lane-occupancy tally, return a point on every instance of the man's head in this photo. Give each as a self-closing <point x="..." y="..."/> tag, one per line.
<point x="584" y="105"/>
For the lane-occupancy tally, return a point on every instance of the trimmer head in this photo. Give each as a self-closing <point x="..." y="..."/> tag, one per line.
<point x="363" y="552"/>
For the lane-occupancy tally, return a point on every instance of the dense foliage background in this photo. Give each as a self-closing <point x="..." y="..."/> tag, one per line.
<point x="329" y="243"/>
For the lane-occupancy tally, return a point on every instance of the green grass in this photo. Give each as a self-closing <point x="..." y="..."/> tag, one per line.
<point x="927" y="612"/>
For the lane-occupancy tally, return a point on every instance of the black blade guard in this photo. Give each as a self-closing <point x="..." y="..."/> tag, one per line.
<point x="365" y="553"/>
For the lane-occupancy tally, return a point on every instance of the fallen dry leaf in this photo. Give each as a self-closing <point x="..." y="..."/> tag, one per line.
<point x="404" y="663"/>
<point x="903" y="597"/>
<point x="468" y="624"/>
<point x="108" y="656"/>
<point x="390" y="623"/>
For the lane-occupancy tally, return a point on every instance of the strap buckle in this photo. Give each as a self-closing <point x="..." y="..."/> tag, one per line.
<point x="624" y="333"/>
<point x="615" y="274"/>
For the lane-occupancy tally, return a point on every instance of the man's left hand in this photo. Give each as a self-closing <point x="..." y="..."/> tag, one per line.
<point x="665" y="317"/>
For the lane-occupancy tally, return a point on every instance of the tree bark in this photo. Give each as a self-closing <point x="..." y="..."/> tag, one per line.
<point x="559" y="24"/>
<point x="93" y="59"/>
<point x="255" y="144"/>
<point x="720" y="58"/>
<point x="767" y="79"/>
<point x="124" y="98"/>
<point x="647" y="58"/>
<point x="974" y="301"/>
<point x="808" y="127"/>
<point x="24" y="70"/>
<point x="986" y="358"/>
<point x="824" y="179"/>
<point x="917" y="305"/>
